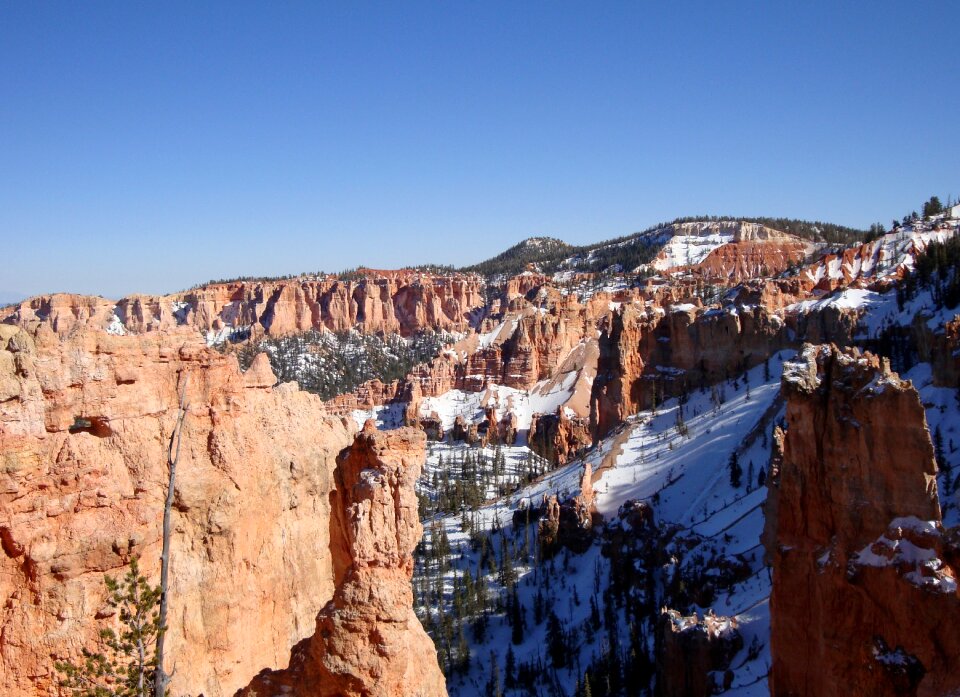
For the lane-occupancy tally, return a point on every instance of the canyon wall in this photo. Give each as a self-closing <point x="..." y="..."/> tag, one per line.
<point x="403" y="302"/>
<point x="864" y="597"/>
<point x="84" y="428"/>
<point x="647" y="354"/>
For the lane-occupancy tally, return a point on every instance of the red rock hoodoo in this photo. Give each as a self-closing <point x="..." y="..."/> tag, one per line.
<point x="864" y="596"/>
<point x="368" y="641"/>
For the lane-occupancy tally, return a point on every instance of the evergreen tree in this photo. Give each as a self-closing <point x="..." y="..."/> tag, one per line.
<point x="557" y="647"/>
<point x="463" y="652"/>
<point x="510" y="669"/>
<point x="594" y="614"/>
<point x="538" y="607"/>
<point x="938" y="449"/>
<point x="932" y="207"/>
<point x="761" y="477"/>
<point x="127" y="666"/>
<point x="736" y="471"/>
<point x="516" y="618"/>
<point x="494" y="686"/>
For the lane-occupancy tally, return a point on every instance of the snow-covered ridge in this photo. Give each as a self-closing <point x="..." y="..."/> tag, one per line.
<point x="689" y="250"/>
<point x="887" y="257"/>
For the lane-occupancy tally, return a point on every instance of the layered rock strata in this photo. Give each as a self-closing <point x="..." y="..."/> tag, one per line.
<point x="694" y="654"/>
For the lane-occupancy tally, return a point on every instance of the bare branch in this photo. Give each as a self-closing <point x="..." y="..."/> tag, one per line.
<point x="161" y="679"/>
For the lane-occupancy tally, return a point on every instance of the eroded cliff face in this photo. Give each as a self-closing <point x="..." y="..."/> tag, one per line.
<point x="648" y="353"/>
<point x="389" y="302"/>
<point x="368" y="641"/>
<point x="729" y="251"/>
<point x="84" y="430"/>
<point x="864" y="593"/>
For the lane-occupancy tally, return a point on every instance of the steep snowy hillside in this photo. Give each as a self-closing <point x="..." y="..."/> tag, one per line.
<point x="501" y="608"/>
<point x="942" y="405"/>
<point x="884" y="259"/>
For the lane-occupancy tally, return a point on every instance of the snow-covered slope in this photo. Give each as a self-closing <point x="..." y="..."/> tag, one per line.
<point x="690" y="249"/>
<point x="888" y="257"/>
<point x="679" y="464"/>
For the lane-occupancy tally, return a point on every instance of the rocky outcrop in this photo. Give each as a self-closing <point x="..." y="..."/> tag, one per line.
<point x="648" y="354"/>
<point x="559" y="437"/>
<point x="747" y="259"/>
<point x="864" y="597"/>
<point x="694" y="654"/>
<point x="728" y="251"/>
<point x="940" y="347"/>
<point x="368" y="641"/>
<point x="373" y="393"/>
<point x="522" y="348"/>
<point x="569" y="523"/>
<point x="84" y="429"/>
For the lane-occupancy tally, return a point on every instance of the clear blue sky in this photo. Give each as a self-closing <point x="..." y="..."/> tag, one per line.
<point x="148" y="147"/>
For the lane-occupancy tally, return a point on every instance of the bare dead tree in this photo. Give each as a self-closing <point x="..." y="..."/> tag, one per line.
<point x="161" y="679"/>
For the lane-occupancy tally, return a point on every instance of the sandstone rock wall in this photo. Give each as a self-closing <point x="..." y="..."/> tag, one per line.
<point x="84" y="427"/>
<point x="647" y="353"/>
<point x="694" y="653"/>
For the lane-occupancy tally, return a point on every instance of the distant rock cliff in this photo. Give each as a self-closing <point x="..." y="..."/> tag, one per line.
<point x="401" y="302"/>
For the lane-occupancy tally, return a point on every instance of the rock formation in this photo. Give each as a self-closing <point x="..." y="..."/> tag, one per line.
<point x="693" y="654"/>
<point x="403" y="302"/>
<point x="647" y="354"/>
<point x="728" y="251"/>
<point x="84" y="427"/>
<point x="569" y="523"/>
<point x="368" y="641"/>
<point x="864" y="597"/>
<point x="558" y="437"/>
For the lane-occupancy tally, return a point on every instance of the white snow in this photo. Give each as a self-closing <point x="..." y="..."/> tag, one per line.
<point x="687" y="250"/>
<point x="116" y="326"/>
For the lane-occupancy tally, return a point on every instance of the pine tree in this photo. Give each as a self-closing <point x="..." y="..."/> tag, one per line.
<point x="516" y="618"/>
<point x="932" y="207"/>
<point x="557" y="647"/>
<point x="126" y="668"/>
<point x="463" y="652"/>
<point x="510" y="669"/>
<point x="594" y="614"/>
<point x="938" y="450"/>
<point x="761" y="477"/>
<point x="494" y="686"/>
<point x="538" y="607"/>
<point x="736" y="472"/>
